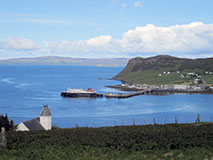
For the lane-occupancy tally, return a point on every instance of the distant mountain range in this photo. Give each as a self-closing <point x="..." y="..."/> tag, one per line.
<point x="53" y="60"/>
<point x="165" y="69"/>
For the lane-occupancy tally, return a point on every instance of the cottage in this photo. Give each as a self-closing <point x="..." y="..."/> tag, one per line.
<point x="190" y="74"/>
<point x="43" y="122"/>
<point x="181" y="87"/>
<point x="206" y="72"/>
<point x="124" y="84"/>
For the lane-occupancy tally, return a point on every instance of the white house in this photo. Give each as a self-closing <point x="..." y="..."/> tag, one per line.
<point x="43" y="122"/>
<point x="181" y="87"/>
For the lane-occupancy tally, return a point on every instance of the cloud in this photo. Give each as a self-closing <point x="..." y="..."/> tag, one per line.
<point x="93" y="47"/>
<point x="194" y="38"/>
<point x="47" y="21"/>
<point x="99" y="41"/>
<point x="17" y="44"/>
<point x="188" y="40"/>
<point x="138" y="4"/>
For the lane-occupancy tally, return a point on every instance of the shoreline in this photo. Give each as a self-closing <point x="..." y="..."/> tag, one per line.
<point x="163" y="91"/>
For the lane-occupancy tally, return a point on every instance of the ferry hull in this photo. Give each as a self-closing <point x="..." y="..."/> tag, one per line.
<point x="76" y="95"/>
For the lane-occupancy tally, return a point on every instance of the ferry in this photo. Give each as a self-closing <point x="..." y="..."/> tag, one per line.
<point x="80" y="93"/>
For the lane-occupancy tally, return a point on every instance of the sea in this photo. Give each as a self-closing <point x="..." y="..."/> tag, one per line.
<point x="24" y="89"/>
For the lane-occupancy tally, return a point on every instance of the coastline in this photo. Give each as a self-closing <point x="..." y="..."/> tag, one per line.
<point x="161" y="91"/>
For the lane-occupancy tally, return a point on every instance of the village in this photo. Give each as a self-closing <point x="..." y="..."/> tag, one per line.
<point x="197" y="83"/>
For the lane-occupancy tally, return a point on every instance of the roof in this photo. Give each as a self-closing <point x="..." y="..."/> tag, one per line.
<point x="34" y="124"/>
<point x="45" y="111"/>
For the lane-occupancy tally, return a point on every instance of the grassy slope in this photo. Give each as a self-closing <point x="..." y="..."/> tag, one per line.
<point x="182" y="141"/>
<point x="145" y="71"/>
<point x="151" y="77"/>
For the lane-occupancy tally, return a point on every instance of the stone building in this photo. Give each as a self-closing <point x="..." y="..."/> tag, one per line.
<point x="43" y="122"/>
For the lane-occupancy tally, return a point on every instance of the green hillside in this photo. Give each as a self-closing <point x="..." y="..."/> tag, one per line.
<point x="164" y="69"/>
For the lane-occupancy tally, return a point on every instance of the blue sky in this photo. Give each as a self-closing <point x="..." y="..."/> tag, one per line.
<point x="105" y="28"/>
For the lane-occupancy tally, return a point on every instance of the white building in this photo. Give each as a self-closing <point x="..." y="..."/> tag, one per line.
<point x="43" y="122"/>
<point x="124" y="84"/>
<point x="190" y="74"/>
<point x="181" y="87"/>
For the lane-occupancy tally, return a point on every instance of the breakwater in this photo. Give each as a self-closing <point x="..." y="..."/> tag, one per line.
<point x="127" y="95"/>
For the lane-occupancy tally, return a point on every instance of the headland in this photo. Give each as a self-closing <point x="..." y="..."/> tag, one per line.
<point x="165" y="73"/>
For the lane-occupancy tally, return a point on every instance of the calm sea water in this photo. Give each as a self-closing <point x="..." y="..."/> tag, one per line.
<point x="25" y="89"/>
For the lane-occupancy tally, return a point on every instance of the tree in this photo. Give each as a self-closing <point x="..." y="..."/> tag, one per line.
<point x="4" y="122"/>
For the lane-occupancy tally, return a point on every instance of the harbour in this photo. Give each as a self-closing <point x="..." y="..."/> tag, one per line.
<point x="22" y="98"/>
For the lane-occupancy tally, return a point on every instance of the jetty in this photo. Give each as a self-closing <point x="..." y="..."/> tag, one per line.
<point x="127" y="95"/>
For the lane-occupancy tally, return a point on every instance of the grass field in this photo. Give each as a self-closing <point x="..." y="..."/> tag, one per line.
<point x="170" y="141"/>
<point x="208" y="79"/>
<point x="152" y="77"/>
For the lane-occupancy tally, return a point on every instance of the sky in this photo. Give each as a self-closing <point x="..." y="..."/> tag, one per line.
<point x="106" y="28"/>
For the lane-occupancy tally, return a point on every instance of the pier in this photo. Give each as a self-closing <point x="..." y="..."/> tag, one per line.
<point x="126" y="95"/>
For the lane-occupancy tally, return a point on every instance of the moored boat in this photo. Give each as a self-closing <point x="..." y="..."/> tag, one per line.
<point x="80" y="93"/>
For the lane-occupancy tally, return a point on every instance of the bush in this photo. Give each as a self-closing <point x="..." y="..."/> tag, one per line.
<point x="4" y="122"/>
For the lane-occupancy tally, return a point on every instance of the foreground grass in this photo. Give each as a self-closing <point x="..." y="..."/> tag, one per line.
<point x="106" y="154"/>
<point x="172" y="141"/>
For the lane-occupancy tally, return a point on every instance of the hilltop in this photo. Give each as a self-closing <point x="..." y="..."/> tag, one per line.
<point x="53" y="60"/>
<point x="165" y="69"/>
